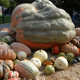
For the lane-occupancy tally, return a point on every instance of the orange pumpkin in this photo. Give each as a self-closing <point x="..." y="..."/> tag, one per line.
<point x="7" y="54"/>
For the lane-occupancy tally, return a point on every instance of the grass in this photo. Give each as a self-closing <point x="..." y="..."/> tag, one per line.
<point x="7" y="19"/>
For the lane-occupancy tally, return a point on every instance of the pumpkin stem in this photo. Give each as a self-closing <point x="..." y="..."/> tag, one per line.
<point x="40" y="50"/>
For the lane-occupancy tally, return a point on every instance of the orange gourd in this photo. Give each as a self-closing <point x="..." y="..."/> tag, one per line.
<point x="7" y="54"/>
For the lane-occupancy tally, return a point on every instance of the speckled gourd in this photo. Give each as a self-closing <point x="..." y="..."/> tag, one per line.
<point x="40" y="25"/>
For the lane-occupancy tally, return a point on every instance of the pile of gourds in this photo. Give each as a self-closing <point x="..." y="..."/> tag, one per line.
<point x="39" y="25"/>
<point x="15" y="65"/>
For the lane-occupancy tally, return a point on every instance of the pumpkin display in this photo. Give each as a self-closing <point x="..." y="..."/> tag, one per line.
<point x="4" y="67"/>
<point x="77" y="31"/>
<point x="11" y="74"/>
<point x="26" y="69"/>
<point x="69" y="48"/>
<point x="41" y="54"/>
<point x="7" y="54"/>
<point x="40" y="25"/>
<point x="17" y="47"/>
<point x="4" y="45"/>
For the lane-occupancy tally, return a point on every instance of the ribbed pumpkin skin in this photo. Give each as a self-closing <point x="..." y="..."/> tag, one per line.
<point x="26" y="69"/>
<point x="42" y="23"/>
<point x="7" y="54"/>
<point x="17" y="47"/>
<point x="4" y="67"/>
<point x="4" y="45"/>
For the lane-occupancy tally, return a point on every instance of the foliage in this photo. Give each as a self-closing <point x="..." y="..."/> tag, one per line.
<point x="5" y="3"/>
<point x="68" y="5"/>
<point x="23" y="1"/>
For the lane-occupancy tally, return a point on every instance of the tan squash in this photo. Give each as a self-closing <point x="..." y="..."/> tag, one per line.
<point x="17" y="47"/>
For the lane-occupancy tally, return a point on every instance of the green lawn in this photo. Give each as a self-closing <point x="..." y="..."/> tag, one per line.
<point x="7" y="19"/>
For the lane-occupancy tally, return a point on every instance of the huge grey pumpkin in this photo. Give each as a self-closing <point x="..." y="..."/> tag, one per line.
<point x="40" y="25"/>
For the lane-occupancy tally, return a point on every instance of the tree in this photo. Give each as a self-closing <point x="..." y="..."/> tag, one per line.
<point x="68" y="5"/>
<point x="23" y="1"/>
<point x="5" y="3"/>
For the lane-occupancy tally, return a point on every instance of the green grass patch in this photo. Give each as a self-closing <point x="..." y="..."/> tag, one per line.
<point x="7" y="19"/>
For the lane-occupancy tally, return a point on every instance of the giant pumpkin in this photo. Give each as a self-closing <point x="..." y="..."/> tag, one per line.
<point x="40" y="25"/>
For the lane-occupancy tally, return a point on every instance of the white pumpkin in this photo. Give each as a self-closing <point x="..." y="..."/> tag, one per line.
<point x="61" y="63"/>
<point x="22" y="55"/>
<point x="41" y="54"/>
<point x="36" y="62"/>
